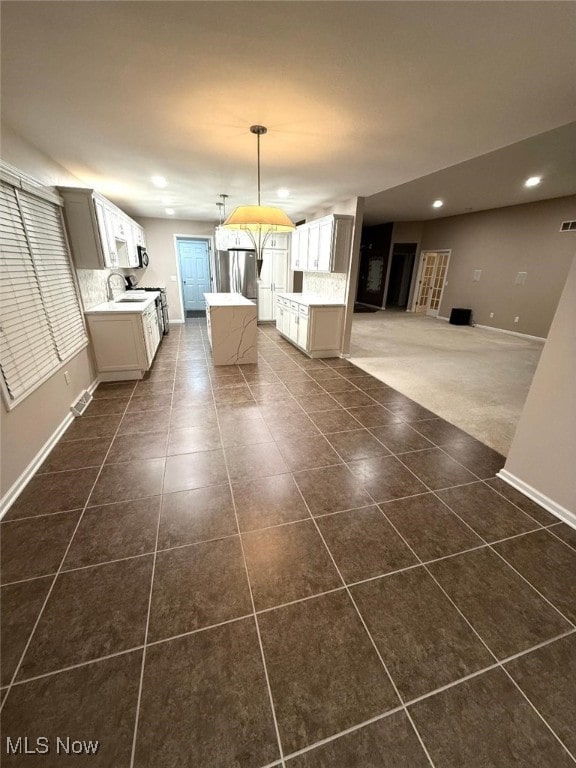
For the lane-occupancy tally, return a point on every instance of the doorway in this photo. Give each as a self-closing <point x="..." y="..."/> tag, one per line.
<point x="431" y="279"/>
<point x="400" y="278"/>
<point x="374" y="252"/>
<point x="194" y="262"/>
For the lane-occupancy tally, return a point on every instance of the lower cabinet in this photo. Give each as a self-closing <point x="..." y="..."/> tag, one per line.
<point x="124" y="344"/>
<point x="315" y="330"/>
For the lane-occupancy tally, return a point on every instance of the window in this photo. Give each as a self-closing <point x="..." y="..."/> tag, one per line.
<point x="41" y="322"/>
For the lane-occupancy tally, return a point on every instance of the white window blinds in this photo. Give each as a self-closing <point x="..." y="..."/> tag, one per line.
<point x="41" y="323"/>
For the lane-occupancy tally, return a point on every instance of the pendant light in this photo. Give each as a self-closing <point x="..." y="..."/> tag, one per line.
<point x="259" y="221"/>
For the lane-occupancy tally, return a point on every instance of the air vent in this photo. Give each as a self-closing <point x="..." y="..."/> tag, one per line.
<point x="82" y="403"/>
<point x="568" y="226"/>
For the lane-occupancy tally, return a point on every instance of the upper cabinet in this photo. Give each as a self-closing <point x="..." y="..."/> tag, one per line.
<point x="323" y="245"/>
<point x="232" y="238"/>
<point x="226" y="239"/>
<point x="101" y="235"/>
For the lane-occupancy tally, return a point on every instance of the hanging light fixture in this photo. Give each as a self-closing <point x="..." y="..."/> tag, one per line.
<point x="259" y="221"/>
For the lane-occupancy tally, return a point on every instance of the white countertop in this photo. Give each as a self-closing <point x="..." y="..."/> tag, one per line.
<point x="312" y="299"/>
<point x="124" y="307"/>
<point x="227" y="300"/>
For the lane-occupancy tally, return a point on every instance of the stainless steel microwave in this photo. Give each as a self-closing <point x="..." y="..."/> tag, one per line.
<point x="143" y="259"/>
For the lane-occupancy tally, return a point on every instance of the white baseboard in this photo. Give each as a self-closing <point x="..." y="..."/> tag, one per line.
<point x="556" y="509"/>
<point x="511" y="333"/>
<point x="499" y="330"/>
<point x="16" y="488"/>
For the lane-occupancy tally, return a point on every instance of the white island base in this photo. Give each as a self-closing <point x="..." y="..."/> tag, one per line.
<point x="231" y="321"/>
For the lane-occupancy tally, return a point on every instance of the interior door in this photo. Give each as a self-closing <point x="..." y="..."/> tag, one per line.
<point x="194" y="258"/>
<point x="433" y="270"/>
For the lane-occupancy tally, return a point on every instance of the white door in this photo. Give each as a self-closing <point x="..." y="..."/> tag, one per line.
<point x="431" y="280"/>
<point x="194" y="258"/>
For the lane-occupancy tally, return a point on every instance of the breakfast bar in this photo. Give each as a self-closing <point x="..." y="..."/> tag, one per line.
<point x="232" y="323"/>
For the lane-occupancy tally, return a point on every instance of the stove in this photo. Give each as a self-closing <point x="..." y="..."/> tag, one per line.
<point x="161" y="305"/>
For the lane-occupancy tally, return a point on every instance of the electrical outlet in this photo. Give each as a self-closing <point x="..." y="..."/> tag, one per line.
<point x="173" y="278"/>
<point x="516" y="319"/>
<point x="491" y="314"/>
<point x="66" y="377"/>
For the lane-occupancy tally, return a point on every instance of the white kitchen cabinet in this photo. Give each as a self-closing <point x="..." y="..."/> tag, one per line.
<point x="101" y="235"/>
<point x="225" y="239"/>
<point x="302" y="333"/>
<point x="323" y="245"/>
<point x="315" y="328"/>
<point x="273" y="280"/>
<point x="107" y="243"/>
<point x="124" y="343"/>
<point x="151" y="332"/>
<point x="279" y="240"/>
<point x="282" y="316"/>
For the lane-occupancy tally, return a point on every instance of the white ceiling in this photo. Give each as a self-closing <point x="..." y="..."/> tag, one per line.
<point x="359" y="98"/>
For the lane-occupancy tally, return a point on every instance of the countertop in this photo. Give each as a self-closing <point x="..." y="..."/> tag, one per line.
<point x="228" y="300"/>
<point x="122" y="308"/>
<point x="312" y="299"/>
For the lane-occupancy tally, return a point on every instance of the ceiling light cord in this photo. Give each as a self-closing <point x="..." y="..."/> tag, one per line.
<point x="259" y="130"/>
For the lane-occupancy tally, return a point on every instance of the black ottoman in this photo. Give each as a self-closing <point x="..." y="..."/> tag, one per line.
<point x="460" y="316"/>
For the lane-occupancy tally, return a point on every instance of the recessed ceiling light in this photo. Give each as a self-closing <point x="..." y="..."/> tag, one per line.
<point x="437" y="204"/>
<point x="533" y="181"/>
<point x="170" y="211"/>
<point x="283" y="192"/>
<point x="159" y="181"/>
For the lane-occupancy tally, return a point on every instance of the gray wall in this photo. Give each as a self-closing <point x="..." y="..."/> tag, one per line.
<point x="542" y="453"/>
<point x="161" y="246"/>
<point x="503" y="242"/>
<point x="27" y="427"/>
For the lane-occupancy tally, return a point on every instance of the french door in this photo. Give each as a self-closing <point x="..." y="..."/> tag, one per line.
<point x="431" y="280"/>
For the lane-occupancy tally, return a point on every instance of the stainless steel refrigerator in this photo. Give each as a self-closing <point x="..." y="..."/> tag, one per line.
<point x="236" y="273"/>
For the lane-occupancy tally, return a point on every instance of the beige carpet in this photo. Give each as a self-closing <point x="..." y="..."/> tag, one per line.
<point x="475" y="378"/>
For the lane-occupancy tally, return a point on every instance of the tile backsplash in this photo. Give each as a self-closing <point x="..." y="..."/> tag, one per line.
<point x="329" y="284"/>
<point x="92" y="284"/>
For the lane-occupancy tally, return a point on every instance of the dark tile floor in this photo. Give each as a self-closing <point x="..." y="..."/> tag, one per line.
<point x="283" y="563"/>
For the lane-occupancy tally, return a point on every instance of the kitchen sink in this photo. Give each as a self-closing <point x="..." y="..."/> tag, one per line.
<point x="131" y="300"/>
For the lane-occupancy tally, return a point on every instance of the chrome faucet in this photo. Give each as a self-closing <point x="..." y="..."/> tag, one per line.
<point x="109" y="291"/>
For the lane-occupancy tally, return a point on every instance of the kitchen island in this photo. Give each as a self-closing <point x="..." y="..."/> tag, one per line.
<point x="231" y="320"/>
<point x="313" y="323"/>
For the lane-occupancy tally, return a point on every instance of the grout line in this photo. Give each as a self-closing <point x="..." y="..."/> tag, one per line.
<point x="550" y="603"/>
<point x="345" y="732"/>
<point x="498" y="663"/>
<point x="146" y="629"/>
<point x="511" y="502"/>
<point x="351" y="598"/>
<point x="86" y="663"/>
<point x="255" y="613"/>
<point x="50" y="590"/>
<point x="559" y="538"/>
<point x="256" y="624"/>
